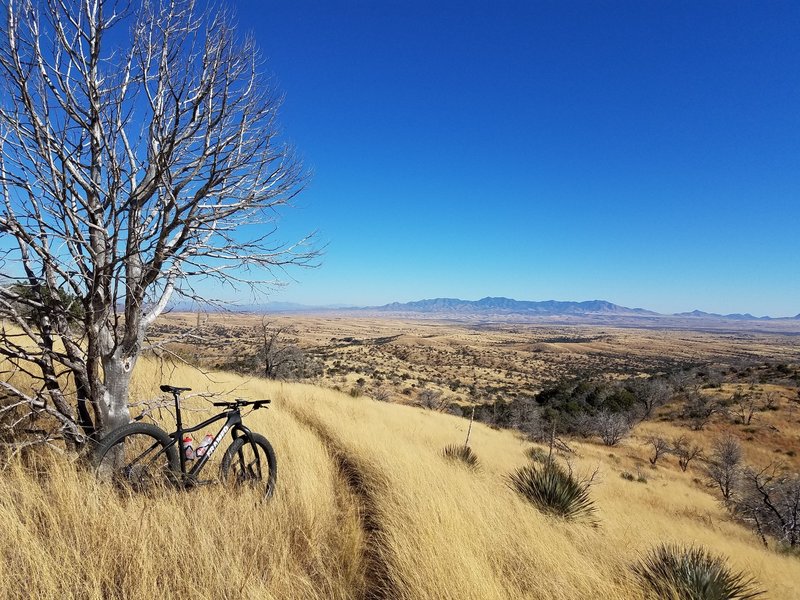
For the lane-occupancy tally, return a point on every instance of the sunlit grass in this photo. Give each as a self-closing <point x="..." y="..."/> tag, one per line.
<point x="443" y="532"/>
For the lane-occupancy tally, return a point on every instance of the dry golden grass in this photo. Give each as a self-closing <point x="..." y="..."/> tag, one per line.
<point x="441" y="520"/>
<point x="65" y="535"/>
<point x="365" y="500"/>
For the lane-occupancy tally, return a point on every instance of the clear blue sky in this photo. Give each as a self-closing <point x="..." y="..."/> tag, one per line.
<point x="647" y="153"/>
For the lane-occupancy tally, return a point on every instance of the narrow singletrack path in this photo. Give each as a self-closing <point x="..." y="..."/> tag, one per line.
<point x="379" y="584"/>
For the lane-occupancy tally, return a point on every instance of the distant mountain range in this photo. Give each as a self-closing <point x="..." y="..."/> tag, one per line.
<point x="733" y="316"/>
<point x="492" y="307"/>
<point x="509" y="306"/>
<point x="500" y="305"/>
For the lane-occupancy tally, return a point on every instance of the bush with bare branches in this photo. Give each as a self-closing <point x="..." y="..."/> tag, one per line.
<point x="611" y="427"/>
<point x="770" y="500"/>
<point x="724" y="465"/>
<point x="686" y="451"/>
<point x="660" y="447"/>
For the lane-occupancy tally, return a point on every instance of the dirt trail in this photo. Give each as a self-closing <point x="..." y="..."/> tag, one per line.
<point x="380" y="584"/>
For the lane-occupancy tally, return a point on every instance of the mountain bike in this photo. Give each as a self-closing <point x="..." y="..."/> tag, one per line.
<point x="142" y="456"/>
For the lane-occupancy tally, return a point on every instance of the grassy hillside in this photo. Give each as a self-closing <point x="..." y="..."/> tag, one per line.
<point x="366" y="507"/>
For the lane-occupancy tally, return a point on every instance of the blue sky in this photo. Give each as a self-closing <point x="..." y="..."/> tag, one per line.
<point x="643" y="152"/>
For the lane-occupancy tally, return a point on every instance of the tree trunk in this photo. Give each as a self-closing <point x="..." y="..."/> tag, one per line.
<point x="117" y="371"/>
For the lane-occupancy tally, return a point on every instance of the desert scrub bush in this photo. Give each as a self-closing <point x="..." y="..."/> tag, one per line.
<point x="554" y="490"/>
<point x="464" y="454"/>
<point x="628" y="476"/>
<point x="672" y="572"/>
<point x="538" y="455"/>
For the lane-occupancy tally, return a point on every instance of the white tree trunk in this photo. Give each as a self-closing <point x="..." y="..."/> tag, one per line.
<point x="117" y="373"/>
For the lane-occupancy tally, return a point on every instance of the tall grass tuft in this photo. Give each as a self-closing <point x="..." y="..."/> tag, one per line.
<point x="554" y="490"/>
<point x="672" y="572"/>
<point x="463" y="454"/>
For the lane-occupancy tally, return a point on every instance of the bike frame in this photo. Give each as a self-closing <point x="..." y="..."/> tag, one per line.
<point x="233" y="423"/>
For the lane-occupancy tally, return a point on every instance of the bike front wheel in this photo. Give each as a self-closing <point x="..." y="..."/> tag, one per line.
<point x="137" y="457"/>
<point x="250" y="461"/>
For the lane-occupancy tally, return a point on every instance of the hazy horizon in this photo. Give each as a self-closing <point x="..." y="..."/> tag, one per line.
<point x="266" y="302"/>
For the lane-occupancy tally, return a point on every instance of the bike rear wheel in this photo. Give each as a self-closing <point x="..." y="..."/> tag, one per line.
<point x="138" y="457"/>
<point x="250" y="462"/>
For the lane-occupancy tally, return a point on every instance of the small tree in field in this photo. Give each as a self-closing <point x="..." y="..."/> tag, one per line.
<point x="724" y="466"/>
<point x="611" y="427"/>
<point x="686" y="451"/>
<point x="744" y="406"/>
<point x="699" y="409"/>
<point x="659" y="445"/>
<point x="770" y="500"/>
<point x="138" y="156"/>
<point x="651" y="394"/>
<point x="279" y="356"/>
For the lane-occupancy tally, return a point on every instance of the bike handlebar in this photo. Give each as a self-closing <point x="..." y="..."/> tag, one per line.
<point x="256" y="404"/>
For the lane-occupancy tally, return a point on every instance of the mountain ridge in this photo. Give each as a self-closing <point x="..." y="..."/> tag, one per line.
<point x="500" y="304"/>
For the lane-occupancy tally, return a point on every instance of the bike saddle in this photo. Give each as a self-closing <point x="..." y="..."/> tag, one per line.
<point x="174" y="390"/>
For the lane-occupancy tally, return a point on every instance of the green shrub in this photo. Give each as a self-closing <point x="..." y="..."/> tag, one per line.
<point x="554" y="490"/>
<point x="463" y="454"/>
<point x="672" y="572"/>
<point x="537" y="454"/>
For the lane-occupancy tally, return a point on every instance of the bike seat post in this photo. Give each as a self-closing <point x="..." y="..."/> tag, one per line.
<point x="177" y="396"/>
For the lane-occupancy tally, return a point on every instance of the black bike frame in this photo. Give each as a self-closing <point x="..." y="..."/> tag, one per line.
<point x="233" y="424"/>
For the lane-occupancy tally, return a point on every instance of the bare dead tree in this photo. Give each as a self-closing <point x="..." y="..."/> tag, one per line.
<point x="277" y="352"/>
<point x="611" y="427"/>
<point x="651" y="394"/>
<point x="431" y="399"/>
<point x="381" y="393"/>
<point x="686" y="451"/>
<point x="699" y="409"/>
<point x="724" y="466"/>
<point x="771" y="400"/>
<point x="138" y="157"/>
<point x="660" y="447"/>
<point x="744" y="406"/>
<point x="683" y="380"/>
<point x="770" y="500"/>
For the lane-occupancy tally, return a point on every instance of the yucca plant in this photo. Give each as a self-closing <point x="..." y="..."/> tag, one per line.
<point x="463" y="454"/>
<point x="673" y="572"/>
<point x="554" y="490"/>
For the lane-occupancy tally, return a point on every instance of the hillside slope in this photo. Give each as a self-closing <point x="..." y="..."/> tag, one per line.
<point x="366" y="508"/>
